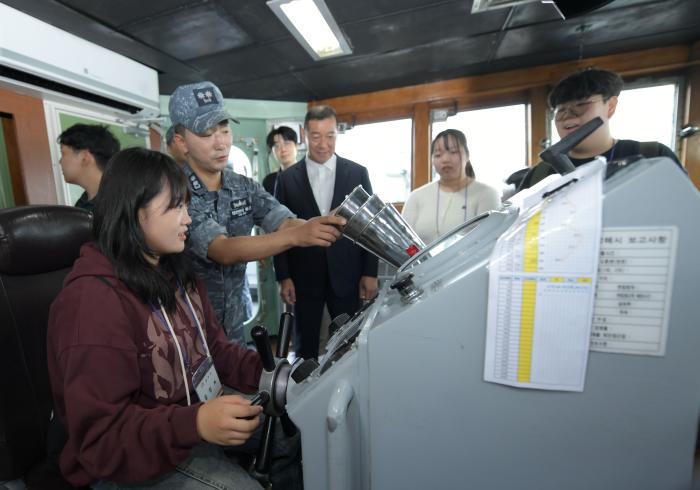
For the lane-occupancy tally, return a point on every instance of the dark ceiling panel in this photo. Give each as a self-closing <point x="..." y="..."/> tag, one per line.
<point x="237" y="65"/>
<point x="285" y="87"/>
<point x="276" y="58"/>
<point x="427" y="63"/>
<point x="118" y="13"/>
<point x="536" y="12"/>
<point x="629" y="3"/>
<point x="533" y="13"/>
<point x="361" y="10"/>
<point x="600" y="28"/>
<point x="257" y="19"/>
<point x="167" y="83"/>
<point x="680" y="36"/>
<point x="192" y="32"/>
<point x="569" y="53"/>
<point x="419" y="27"/>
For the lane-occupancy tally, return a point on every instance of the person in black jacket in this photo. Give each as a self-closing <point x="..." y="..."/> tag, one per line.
<point x="282" y="142"/>
<point x="576" y="100"/>
<point x="85" y="151"/>
<point x="341" y="275"/>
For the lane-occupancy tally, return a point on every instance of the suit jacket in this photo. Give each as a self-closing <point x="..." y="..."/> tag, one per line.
<point x="270" y="181"/>
<point x="344" y="261"/>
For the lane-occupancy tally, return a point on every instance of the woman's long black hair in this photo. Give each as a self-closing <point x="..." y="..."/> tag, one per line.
<point x="133" y="177"/>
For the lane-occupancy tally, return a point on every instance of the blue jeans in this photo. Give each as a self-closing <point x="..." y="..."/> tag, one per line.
<point x="210" y="468"/>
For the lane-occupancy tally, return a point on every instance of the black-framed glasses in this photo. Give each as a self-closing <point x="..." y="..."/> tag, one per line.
<point x="576" y="109"/>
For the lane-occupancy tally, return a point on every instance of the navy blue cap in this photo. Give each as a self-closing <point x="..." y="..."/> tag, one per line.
<point x="198" y="107"/>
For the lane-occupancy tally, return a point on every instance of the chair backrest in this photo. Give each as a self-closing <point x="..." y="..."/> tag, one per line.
<point x="38" y="245"/>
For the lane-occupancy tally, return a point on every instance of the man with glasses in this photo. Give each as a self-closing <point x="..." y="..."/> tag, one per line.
<point x="576" y="100"/>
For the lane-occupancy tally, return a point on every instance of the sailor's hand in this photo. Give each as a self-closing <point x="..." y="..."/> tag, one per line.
<point x="321" y="231"/>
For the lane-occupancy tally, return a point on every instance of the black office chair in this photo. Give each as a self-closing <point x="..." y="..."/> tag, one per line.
<point x="38" y="245"/>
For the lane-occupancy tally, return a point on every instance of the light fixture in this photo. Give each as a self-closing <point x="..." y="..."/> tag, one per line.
<point x="565" y="8"/>
<point x="313" y="26"/>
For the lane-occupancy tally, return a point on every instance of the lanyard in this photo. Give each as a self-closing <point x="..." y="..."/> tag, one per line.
<point x="184" y="360"/>
<point x="437" y="208"/>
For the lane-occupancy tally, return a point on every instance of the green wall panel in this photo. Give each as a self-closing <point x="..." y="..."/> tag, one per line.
<point x="7" y="199"/>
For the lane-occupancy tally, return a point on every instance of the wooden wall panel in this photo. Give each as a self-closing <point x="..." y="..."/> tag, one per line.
<point x="529" y="85"/>
<point x="154" y="139"/>
<point x="33" y="151"/>
<point x="692" y="144"/>
<point x="13" y="160"/>
<point x="627" y="64"/>
<point x="538" y="122"/>
<point x="421" y="145"/>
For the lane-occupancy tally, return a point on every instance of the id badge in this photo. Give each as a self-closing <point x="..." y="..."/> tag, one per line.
<point x="206" y="381"/>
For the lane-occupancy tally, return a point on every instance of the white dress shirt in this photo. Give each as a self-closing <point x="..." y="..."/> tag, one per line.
<point x="322" y="180"/>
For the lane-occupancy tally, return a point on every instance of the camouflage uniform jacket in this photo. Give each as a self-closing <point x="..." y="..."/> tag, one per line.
<point x="233" y="210"/>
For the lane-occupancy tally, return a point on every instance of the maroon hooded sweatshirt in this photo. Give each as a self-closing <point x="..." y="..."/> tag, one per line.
<point x="116" y="376"/>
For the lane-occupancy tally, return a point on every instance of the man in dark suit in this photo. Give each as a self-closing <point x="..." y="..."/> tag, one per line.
<point x="339" y="276"/>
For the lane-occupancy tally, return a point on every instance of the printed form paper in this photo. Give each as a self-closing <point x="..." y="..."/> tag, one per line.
<point x="633" y="294"/>
<point x="542" y="286"/>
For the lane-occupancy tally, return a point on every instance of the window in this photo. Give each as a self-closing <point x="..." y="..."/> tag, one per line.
<point x="643" y="114"/>
<point x="385" y="149"/>
<point x="497" y="141"/>
<point x="240" y="162"/>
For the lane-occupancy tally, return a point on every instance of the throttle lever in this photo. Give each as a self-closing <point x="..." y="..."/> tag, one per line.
<point x="273" y="386"/>
<point x="285" y="333"/>
<point x="262" y="344"/>
<point x="556" y="155"/>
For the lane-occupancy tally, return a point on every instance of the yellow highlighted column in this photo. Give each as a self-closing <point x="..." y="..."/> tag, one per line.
<point x="529" y="297"/>
<point x="527" y="327"/>
<point x="532" y="236"/>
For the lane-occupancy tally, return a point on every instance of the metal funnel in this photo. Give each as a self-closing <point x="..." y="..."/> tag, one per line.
<point x="379" y="228"/>
<point x="352" y="203"/>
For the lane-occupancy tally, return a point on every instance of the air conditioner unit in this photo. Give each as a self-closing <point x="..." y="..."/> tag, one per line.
<point x="39" y="54"/>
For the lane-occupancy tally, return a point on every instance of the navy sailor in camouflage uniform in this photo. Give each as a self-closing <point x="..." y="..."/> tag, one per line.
<point x="225" y="206"/>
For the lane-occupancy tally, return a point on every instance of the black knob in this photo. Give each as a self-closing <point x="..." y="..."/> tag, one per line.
<point x="262" y="344"/>
<point x="284" y="334"/>
<point x="338" y="322"/>
<point x="304" y="370"/>
<point x="402" y="282"/>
